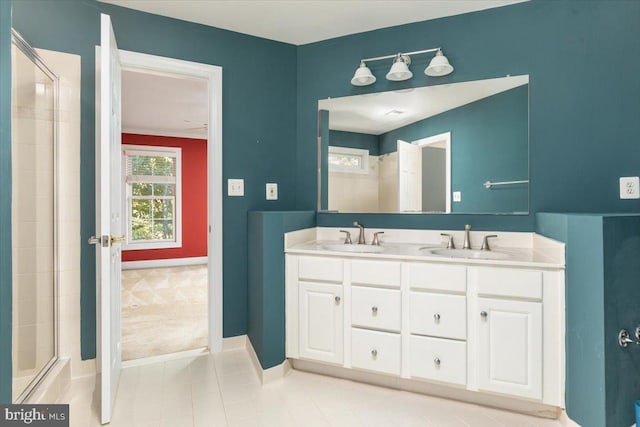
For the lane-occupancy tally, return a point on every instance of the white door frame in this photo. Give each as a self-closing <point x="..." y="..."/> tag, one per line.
<point x="213" y="74"/>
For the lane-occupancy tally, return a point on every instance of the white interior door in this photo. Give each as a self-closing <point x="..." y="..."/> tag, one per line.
<point x="109" y="217"/>
<point x="409" y="177"/>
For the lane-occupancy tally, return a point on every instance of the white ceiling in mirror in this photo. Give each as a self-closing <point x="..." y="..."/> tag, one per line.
<point x="161" y="104"/>
<point x="304" y="21"/>
<point x="378" y="113"/>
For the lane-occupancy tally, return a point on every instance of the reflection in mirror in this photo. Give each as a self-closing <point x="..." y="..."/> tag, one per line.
<point x="428" y="149"/>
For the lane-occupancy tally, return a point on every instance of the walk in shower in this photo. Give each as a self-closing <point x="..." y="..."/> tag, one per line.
<point x="33" y="218"/>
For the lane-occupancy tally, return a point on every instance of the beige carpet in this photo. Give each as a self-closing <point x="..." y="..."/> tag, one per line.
<point x="164" y="310"/>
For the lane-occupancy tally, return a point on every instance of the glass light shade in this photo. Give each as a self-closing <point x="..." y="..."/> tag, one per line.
<point x="399" y="71"/>
<point x="439" y="66"/>
<point x="363" y="76"/>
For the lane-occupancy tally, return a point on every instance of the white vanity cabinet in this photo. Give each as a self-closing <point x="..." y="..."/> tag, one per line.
<point x="321" y="309"/>
<point x="437" y="306"/>
<point x="508" y="323"/>
<point x="376" y="307"/>
<point x="489" y="328"/>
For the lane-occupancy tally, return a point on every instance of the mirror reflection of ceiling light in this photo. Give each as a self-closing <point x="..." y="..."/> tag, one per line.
<point x="41" y="89"/>
<point x="438" y="66"/>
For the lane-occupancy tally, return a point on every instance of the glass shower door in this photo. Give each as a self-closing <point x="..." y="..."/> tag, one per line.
<point x="33" y="218"/>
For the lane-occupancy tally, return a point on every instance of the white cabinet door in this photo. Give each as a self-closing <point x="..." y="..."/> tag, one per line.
<point x="321" y="322"/>
<point x="510" y="347"/>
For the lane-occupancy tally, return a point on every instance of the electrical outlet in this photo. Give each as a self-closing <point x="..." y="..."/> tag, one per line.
<point x="235" y="187"/>
<point x="457" y="196"/>
<point x="630" y="187"/>
<point x="272" y="191"/>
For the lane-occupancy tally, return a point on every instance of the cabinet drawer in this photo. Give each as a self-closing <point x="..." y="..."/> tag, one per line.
<point x="324" y="269"/>
<point x="438" y="359"/>
<point x="438" y="315"/>
<point x="375" y="351"/>
<point x="376" y="308"/>
<point x="450" y="278"/>
<point x="381" y="273"/>
<point x="509" y="282"/>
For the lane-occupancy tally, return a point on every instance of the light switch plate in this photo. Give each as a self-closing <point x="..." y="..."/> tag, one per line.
<point x="235" y="187"/>
<point x="457" y="196"/>
<point x="272" y="191"/>
<point x="630" y="187"/>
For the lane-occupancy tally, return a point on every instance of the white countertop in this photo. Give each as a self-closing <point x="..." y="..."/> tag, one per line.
<point x="517" y="257"/>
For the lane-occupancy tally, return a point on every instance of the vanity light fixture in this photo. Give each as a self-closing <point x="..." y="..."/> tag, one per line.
<point x="439" y="66"/>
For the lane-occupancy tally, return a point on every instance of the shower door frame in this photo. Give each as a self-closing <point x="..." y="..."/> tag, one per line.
<point x="21" y="44"/>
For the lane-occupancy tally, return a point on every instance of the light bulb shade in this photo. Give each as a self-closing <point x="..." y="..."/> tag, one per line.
<point x="400" y="70"/>
<point x="439" y="66"/>
<point x="363" y="76"/>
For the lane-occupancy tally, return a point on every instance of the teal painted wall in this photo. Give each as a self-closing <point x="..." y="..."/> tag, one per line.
<point x="602" y="296"/>
<point x="6" y="281"/>
<point x="363" y="141"/>
<point x="258" y="120"/>
<point x="621" y="237"/>
<point x="266" y="327"/>
<point x="566" y="47"/>
<point x="489" y="142"/>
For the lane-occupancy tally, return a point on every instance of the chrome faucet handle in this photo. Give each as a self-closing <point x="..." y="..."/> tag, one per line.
<point x="347" y="238"/>
<point x="376" y="240"/>
<point x="361" y="239"/>
<point x="485" y="242"/>
<point x="467" y="241"/>
<point x="450" y="244"/>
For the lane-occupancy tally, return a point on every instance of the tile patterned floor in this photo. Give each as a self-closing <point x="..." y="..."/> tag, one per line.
<point x="164" y="310"/>
<point x="223" y="390"/>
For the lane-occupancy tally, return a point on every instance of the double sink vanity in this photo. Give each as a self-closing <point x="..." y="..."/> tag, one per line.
<point x="485" y="326"/>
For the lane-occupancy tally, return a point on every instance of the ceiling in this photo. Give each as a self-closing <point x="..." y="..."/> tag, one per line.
<point x="160" y="104"/>
<point x="302" y="21"/>
<point x="381" y="112"/>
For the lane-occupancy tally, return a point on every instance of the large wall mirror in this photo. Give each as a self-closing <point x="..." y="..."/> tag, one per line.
<point x="453" y="148"/>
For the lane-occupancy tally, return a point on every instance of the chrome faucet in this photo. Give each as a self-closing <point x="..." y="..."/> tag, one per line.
<point x="361" y="240"/>
<point x="467" y="242"/>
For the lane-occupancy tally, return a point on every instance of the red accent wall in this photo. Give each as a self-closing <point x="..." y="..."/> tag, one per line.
<point x="194" y="197"/>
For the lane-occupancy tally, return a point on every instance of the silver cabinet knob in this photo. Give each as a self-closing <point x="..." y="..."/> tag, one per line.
<point x="374" y="353"/>
<point x="337" y="299"/>
<point x="436" y="317"/>
<point x="437" y="361"/>
<point x="483" y="314"/>
<point x="374" y="310"/>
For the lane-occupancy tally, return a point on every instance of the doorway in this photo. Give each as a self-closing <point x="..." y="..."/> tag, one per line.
<point x="172" y="257"/>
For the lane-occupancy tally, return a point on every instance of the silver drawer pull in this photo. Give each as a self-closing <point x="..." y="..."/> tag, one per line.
<point x="337" y="299"/>
<point x="483" y="314"/>
<point x="374" y="310"/>
<point x="437" y="361"/>
<point x="436" y="317"/>
<point x="374" y="353"/>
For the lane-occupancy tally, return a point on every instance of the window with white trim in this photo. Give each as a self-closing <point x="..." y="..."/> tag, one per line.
<point x="153" y="194"/>
<point x="349" y="160"/>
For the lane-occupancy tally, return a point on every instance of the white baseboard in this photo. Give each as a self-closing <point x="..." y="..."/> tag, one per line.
<point x="165" y="357"/>
<point x="234" y="343"/>
<point x="267" y="375"/>
<point x="171" y="262"/>
<point x="565" y="421"/>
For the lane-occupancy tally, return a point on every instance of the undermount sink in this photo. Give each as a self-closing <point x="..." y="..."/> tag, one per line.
<point x="363" y="249"/>
<point x="468" y="253"/>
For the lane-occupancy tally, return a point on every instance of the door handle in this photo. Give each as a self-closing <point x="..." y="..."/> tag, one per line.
<point x="120" y="239"/>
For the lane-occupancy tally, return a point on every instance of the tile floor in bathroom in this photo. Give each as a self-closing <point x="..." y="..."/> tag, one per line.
<point x="224" y="390"/>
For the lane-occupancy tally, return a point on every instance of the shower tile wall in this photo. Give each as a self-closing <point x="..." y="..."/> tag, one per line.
<point x="67" y="67"/>
<point x="32" y="219"/>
